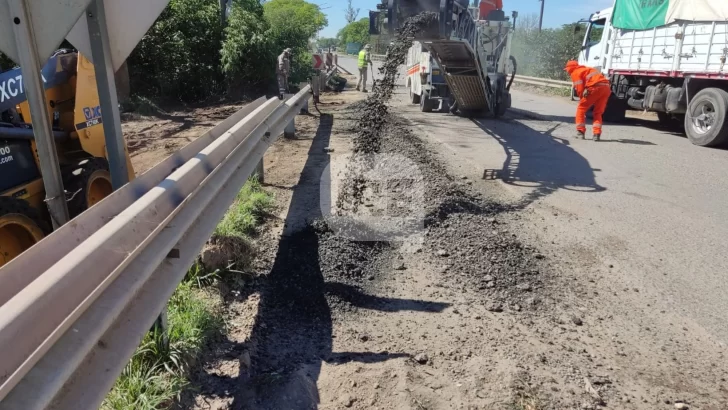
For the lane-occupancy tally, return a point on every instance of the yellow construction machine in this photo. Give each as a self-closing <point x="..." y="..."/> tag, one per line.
<point x="73" y="107"/>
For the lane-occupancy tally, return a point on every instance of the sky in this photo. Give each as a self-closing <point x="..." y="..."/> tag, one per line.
<point x="556" y="12"/>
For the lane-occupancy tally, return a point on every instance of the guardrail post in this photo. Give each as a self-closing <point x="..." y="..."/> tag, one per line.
<point x="260" y="170"/>
<point x="162" y="325"/>
<point x="290" y="130"/>
<point x="315" y="88"/>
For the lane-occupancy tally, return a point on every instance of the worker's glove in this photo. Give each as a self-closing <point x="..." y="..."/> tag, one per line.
<point x="586" y="93"/>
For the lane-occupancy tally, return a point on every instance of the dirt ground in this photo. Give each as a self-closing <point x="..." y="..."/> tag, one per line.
<point x="151" y="139"/>
<point x="470" y="310"/>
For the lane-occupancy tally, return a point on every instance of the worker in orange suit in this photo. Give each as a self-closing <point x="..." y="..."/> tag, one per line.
<point x="486" y="6"/>
<point x="594" y="90"/>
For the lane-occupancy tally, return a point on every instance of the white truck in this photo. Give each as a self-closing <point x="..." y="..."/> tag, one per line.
<point x="666" y="56"/>
<point x="473" y="54"/>
<point x="424" y="80"/>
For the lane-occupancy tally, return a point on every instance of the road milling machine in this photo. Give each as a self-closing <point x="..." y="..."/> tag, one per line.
<point x="73" y="107"/>
<point x="473" y="51"/>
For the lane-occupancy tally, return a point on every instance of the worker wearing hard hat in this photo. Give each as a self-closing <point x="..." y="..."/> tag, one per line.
<point x="283" y="70"/>
<point x="594" y="90"/>
<point x="365" y="60"/>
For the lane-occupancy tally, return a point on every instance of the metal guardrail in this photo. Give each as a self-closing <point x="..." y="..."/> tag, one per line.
<point x="542" y="82"/>
<point x="74" y="307"/>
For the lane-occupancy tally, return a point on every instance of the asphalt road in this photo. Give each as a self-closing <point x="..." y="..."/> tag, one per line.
<point x="644" y="202"/>
<point x="349" y="63"/>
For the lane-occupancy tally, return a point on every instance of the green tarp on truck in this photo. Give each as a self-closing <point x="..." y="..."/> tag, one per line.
<point x="646" y="14"/>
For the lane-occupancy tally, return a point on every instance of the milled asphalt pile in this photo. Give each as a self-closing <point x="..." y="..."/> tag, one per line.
<point x="462" y="231"/>
<point x="326" y="267"/>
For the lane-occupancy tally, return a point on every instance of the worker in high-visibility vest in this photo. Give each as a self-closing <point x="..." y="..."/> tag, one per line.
<point x="594" y="90"/>
<point x="365" y="60"/>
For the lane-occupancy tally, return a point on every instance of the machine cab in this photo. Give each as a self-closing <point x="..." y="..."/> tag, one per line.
<point x="595" y="45"/>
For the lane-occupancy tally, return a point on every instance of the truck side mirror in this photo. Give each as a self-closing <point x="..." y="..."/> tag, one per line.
<point x="577" y="28"/>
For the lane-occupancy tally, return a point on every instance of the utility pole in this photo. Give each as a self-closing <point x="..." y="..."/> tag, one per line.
<point x="540" y="19"/>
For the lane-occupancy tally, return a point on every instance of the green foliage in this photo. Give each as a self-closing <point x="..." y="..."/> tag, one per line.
<point x="544" y="54"/>
<point x="299" y="14"/>
<point x="244" y="216"/>
<point x="179" y="57"/>
<point x="356" y="32"/>
<point x="292" y="24"/>
<point x="189" y="55"/>
<point x="143" y="386"/>
<point x="247" y="52"/>
<point x="156" y="374"/>
<point x="198" y="277"/>
<point x="326" y="42"/>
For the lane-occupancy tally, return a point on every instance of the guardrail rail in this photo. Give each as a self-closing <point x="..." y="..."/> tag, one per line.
<point x="74" y="307"/>
<point x="542" y="82"/>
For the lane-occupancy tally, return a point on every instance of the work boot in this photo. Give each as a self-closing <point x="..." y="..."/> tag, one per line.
<point x="580" y="135"/>
<point x="358" y="88"/>
<point x="365" y="90"/>
<point x="597" y="137"/>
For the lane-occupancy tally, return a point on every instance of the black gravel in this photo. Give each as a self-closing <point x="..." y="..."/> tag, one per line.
<point x="374" y="112"/>
<point x="482" y="255"/>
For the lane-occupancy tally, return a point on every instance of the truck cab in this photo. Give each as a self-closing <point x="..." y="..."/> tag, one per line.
<point x="595" y="45"/>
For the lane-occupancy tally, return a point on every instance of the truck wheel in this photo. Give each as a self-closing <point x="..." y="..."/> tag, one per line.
<point x="616" y="110"/>
<point x="425" y="102"/>
<point x="87" y="184"/>
<point x="414" y="98"/>
<point x="705" y="121"/>
<point x="20" y="228"/>
<point x="503" y="106"/>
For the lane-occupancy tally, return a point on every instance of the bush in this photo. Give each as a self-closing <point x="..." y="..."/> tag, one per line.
<point x="544" y="54"/>
<point x="190" y="55"/>
<point x="179" y="58"/>
<point x="247" y="52"/>
<point x="292" y="24"/>
<point x="356" y="32"/>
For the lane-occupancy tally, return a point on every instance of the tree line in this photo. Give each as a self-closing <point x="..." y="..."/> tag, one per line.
<point x="198" y="49"/>
<point x="544" y="53"/>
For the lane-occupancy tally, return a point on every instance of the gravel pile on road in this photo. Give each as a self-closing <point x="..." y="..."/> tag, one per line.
<point x="373" y="113"/>
<point x="463" y="235"/>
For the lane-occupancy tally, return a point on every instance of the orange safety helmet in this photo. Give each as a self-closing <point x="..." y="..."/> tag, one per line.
<point x="571" y="66"/>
